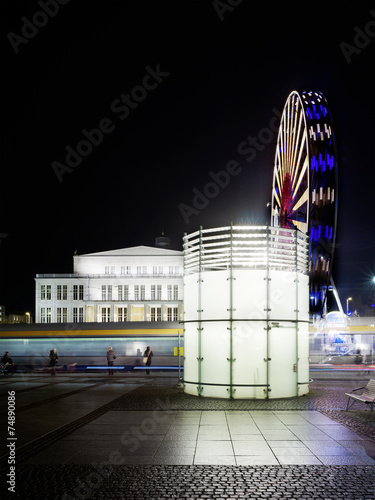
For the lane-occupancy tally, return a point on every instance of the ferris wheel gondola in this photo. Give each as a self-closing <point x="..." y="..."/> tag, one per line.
<point x="304" y="191"/>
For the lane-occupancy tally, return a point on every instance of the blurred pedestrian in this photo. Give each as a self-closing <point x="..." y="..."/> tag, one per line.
<point x="110" y="359"/>
<point x="7" y="362"/>
<point x="148" y="354"/>
<point x="53" y="360"/>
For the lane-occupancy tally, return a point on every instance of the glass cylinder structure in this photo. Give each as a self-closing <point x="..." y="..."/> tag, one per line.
<point x="246" y="312"/>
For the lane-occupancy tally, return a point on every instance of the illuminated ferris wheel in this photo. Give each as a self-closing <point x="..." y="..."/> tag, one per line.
<point x="304" y="191"/>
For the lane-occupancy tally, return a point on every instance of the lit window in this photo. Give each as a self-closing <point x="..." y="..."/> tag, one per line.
<point x="106" y="292"/>
<point x="45" y="292"/>
<point x="172" y="313"/>
<point x="122" y="314"/>
<point x="75" y="292"/>
<point x="155" y="313"/>
<point x="62" y="292"/>
<point x="106" y="314"/>
<point x="77" y="314"/>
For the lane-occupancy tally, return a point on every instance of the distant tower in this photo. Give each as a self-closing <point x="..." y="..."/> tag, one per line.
<point x="162" y="241"/>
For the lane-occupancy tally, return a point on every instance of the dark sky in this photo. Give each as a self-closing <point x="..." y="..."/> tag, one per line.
<point x="219" y="80"/>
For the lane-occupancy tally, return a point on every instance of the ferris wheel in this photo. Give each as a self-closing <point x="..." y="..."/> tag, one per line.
<point x="304" y="191"/>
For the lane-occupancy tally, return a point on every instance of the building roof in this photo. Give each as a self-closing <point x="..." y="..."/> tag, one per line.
<point x="135" y="251"/>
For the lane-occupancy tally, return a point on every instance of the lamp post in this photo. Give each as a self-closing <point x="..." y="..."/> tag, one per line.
<point x="347" y="305"/>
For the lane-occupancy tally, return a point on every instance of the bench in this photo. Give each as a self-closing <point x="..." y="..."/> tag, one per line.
<point x="367" y="397"/>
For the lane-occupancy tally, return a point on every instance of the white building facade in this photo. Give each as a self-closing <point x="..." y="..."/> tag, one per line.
<point x="130" y="284"/>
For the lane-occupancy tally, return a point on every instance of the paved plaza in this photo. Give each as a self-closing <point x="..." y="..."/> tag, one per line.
<point x="135" y="436"/>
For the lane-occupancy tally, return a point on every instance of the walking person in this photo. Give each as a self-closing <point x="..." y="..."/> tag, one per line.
<point x="7" y="363"/>
<point x="148" y="354"/>
<point x="110" y="359"/>
<point x="53" y="357"/>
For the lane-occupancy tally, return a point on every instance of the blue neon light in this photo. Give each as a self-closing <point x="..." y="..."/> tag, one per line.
<point x="315" y="112"/>
<point x="330" y="161"/>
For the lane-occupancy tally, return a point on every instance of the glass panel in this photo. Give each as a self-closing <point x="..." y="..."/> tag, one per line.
<point x="250" y="352"/>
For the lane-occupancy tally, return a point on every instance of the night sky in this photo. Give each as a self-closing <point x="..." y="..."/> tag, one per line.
<point x="202" y="78"/>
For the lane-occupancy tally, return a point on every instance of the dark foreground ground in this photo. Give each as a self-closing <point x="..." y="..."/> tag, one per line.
<point x="137" y="437"/>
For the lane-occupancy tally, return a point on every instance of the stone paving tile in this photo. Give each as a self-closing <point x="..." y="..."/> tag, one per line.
<point x="338" y="432"/>
<point x="247" y="437"/>
<point x="292" y="444"/>
<point x="128" y="482"/>
<point x="286" y="444"/>
<point x="172" y="460"/>
<point x="279" y="434"/>
<point x="214" y="460"/>
<point x="214" y="447"/>
<point x="287" y="452"/>
<point x="253" y="448"/>
<point x="299" y="460"/>
<point x="326" y="448"/>
<point x="258" y="460"/>
<point x="340" y="460"/>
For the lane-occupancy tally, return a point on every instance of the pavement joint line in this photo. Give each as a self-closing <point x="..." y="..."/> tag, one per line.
<point x="148" y="404"/>
<point x="71" y="379"/>
<point x="38" y="444"/>
<point x="60" y="396"/>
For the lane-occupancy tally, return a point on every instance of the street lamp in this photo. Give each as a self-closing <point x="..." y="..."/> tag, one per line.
<point x="347" y="305"/>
